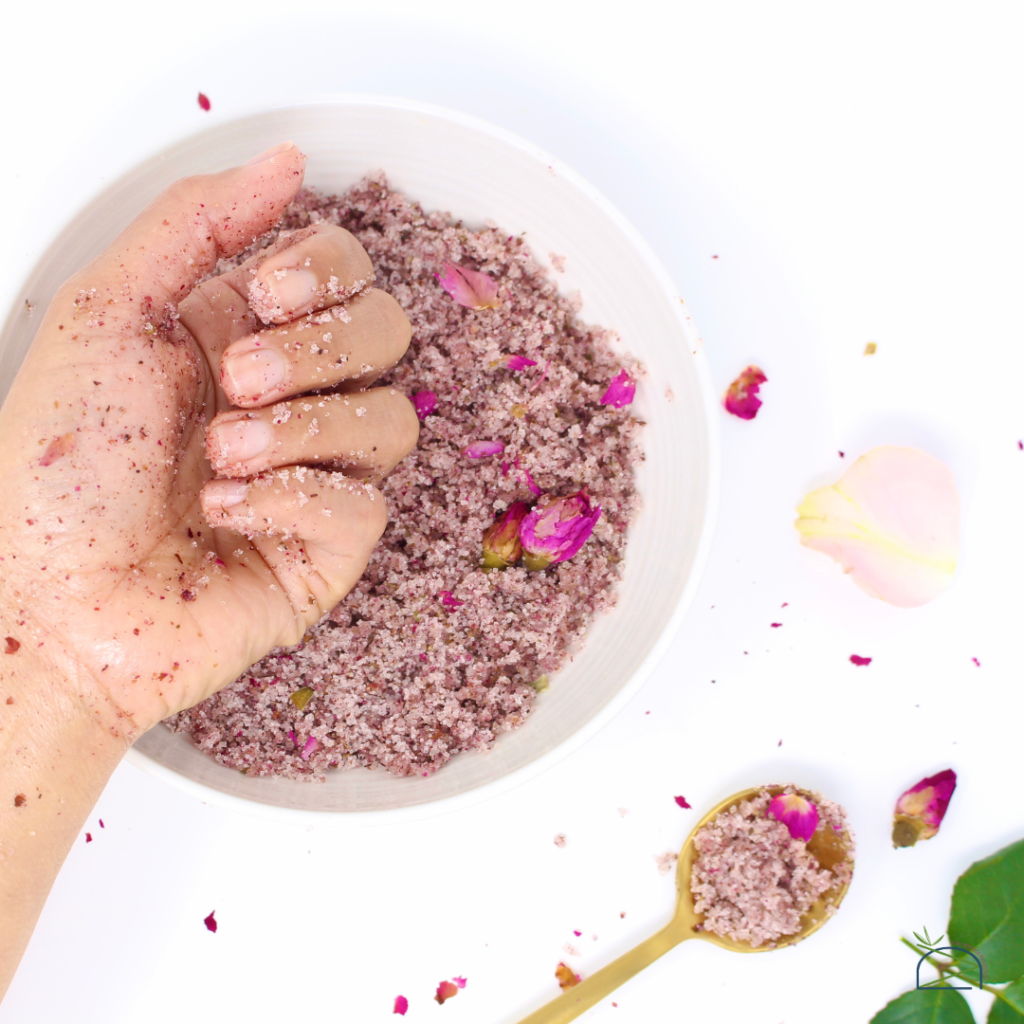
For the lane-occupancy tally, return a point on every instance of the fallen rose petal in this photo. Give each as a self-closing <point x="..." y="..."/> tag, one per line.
<point x="448" y="601"/>
<point x="566" y="976"/>
<point x="88" y="837"/>
<point x="800" y="816"/>
<point x="556" y="528"/>
<point x="682" y="801"/>
<point x="741" y="397"/>
<point x="471" y="288"/>
<point x="210" y="921"/>
<point x="892" y="522"/>
<point x="204" y="101"/>
<point x="309" y="747"/>
<point x="621" y="391"/>
<point x="401" y="1005"/>
<point x="101" y="824"/>
<point x="445" y="991"/>
<point x="920" y="810"/>
<point x="424" y="402"/>
<point x="976" y="662"/>
<point x="858" y="660"/>
<point x="776" y="625"/>
<point x="293" y="737"/>
<point x="461" y="982"/>
<point x="519" y="362"/>
<point x="481" y="449"/>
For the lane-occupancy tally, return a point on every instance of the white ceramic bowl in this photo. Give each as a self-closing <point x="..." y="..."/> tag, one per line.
<point x="452" y="162"/>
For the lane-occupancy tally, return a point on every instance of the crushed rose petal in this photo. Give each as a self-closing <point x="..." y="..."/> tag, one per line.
<point x="461" y="982"/>
<point x="424" y="402"/>
<point x="471" y="288"/>
<point x="858" y="660"/>
<point x="566" y="976"/>
<point x="446" y="990"/>
<point x="681" y="800"/>
<point x="741" y="397"/>
<point x="210" y="921"/>
<point x="448" y="601"/>
<point x="88" y="837"/>
<point x="519" y="362"/>
<point x="309" y="748"/>
<point x="481" y="449"/>
<point x="621" y="391"/>
<point x="401" y="1005"/>
<point x="204" y="101"/>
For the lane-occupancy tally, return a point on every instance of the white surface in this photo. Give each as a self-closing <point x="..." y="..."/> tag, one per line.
<point x="857" y="170"/>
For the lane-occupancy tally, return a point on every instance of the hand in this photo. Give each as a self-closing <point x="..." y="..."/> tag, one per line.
<point x="138" y="584"/>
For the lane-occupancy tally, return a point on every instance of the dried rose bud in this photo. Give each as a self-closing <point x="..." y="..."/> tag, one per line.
<point x="501" y="539"/>
<point x="800" y="816"/>
<point x="556" y="529"/>
<point x="919" y="812"/>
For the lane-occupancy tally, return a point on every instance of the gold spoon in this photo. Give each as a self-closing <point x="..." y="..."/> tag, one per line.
<point x="828" y="848"/>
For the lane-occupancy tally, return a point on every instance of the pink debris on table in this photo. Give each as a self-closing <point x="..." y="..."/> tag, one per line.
<point x="920" y="810"/>
<point x="621" y="391"/>
<point x="204" y="101"/>
<point x="741" y="397"/>
<point x="461" y="982"/>
<point x="471" y="288"/>
<point x="424" y="402"/>
<point x="798" y="814"/>
<point x="556" y="528"/>
<point x="210" y="921"/>
<point x="446" y="990"/>
<point x="858" y="660"/>
<point x="482" y="449"/>
<point x="682" y="801"/>
<point x="88" y="837"/>
<point x="401" y="1005"/>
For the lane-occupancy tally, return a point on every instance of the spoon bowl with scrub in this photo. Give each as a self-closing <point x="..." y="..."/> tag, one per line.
<point x="831" y="846"/>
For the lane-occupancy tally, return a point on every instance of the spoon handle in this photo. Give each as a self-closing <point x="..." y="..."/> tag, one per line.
<point x="576" y="1000"/>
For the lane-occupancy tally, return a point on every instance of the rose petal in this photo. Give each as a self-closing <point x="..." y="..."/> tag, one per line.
<point x="424" y="402"/>
<point x="461" y="982"/>
<point x="481" y="449"/>
<point x="309" y="747"/>
<point x="566" y="976"/>
<point x="471" y="288"/>
<point x="210" y="921"/>
<point x="800" y="816"/>
<point x="401" y="1005"/>
<point x="741" y="397"/>
<point x="445" y="991"/>
<point x="204" y="101"/>
<point x="920" y="810"/>
<point x="448" y="601"/>
<point x="620" y="391"/>
<point x="858" y="660"/>
<point x="682" y="801"/>
<point x="892" y="522"/>
<point x="519" y="362"/>
<point x="88" y="837"/>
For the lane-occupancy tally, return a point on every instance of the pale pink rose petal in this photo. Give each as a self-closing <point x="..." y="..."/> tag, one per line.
<point x="892" y="522"/>
<point x="471" y="288"/>
<point x="481" y="449"/>
<point x="920" y="810"/>
<point x="461" y="982"/>
<point x="621" y="391"/>
<point x="445" y="991"/>
<point x="401" y="1005"/>
<point x="424" y="402"/>
<point x="309" y="747"/>
<point x="519" y="362"/>
<point x="741" y="398"/>
<point x="800" y="816"/>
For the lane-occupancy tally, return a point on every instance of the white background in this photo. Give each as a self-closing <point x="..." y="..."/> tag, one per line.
<point x="857" y="169"/>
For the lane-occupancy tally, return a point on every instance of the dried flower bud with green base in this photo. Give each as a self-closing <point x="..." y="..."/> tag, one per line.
<point x="501" y="544"/>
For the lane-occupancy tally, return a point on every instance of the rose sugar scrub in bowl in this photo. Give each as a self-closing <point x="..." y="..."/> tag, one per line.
<point x="581" y="311"/>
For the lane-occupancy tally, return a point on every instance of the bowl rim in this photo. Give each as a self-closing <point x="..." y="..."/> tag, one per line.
<point x="646" y="668"/>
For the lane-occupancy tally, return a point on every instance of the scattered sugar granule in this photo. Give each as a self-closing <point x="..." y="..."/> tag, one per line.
<point x="752" y="880"/>
<point x="314" y="427"/>
<point x="623" y="811"/>
<point x="666" y="861"/>
<point x="571" y="950"/>
<point x="282" y="413"/>
<point x="560" y="840"/>
<point x="403" y="682"/>
<point x="558" y="262"/>
<point x="361" y="411"/>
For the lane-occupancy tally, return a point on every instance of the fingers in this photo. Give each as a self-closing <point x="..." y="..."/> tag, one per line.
<point x="316" y="530"/>
<point x="302" y="272"/>
<point x="371" y="431"/>
<point x="178" y="239"/>
<point x="317" y="352"/>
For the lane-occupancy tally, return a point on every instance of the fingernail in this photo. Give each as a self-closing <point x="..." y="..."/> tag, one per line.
<point x="252" y="374"/>
<point x="294" y="289"/>
<point x="237" y="441"/>
<point x="222" y="494"/>
<point x="269" y="154"/>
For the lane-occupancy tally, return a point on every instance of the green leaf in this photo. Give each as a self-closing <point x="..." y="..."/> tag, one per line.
<point x="927" y="1006"/>
<point x="1003" y="1014"/>
<point x="988" y="912"/>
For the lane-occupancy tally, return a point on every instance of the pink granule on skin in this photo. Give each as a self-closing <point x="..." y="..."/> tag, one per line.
<point x="751" y="880"/>
<point x="400" y="677"/>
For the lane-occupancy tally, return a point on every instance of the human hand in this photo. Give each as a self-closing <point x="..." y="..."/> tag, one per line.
<point x="127" y="571"/>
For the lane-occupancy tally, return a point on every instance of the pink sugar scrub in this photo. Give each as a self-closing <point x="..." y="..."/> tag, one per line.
<point x="752" y="880"/>
<point x="432" y="654"/>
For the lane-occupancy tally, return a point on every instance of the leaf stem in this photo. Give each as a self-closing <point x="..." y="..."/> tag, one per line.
<point x="950" y="968"/>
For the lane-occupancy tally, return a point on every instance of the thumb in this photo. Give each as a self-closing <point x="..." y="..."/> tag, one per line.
<point x="178" y="239"/>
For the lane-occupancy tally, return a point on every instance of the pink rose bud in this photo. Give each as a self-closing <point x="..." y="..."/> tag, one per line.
<point x="919" y="812"/>
<point x="501" y="540"/>
<point x="556" y="529"/>
<point x="800" y="816"/>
